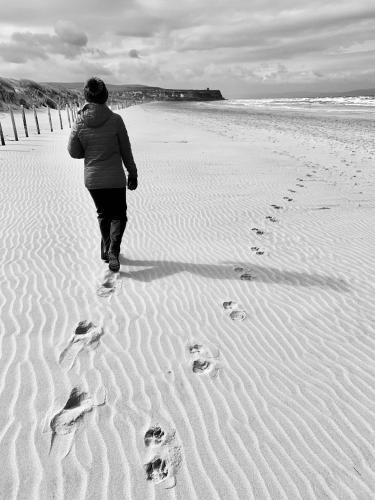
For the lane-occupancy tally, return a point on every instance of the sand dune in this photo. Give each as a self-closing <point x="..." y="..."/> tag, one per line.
<point x="232" y="355"/>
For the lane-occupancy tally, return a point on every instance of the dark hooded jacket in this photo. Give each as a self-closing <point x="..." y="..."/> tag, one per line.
<point x="100" y="137"/>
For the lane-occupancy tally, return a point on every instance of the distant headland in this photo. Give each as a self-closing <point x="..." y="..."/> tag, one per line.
<point x="145" y="92"/>
<point x="30" y="93"/>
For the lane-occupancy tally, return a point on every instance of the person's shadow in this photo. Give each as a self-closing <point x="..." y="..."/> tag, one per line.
<point x="157" y="269"/>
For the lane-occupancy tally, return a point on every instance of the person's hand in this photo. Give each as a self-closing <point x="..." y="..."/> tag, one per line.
<point x="132" y="182"/>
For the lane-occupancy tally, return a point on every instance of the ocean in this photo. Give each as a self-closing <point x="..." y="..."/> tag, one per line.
<point x="360" y="107"/>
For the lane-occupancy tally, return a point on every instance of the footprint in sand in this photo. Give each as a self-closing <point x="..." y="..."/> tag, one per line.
<point x="163" y="465"/>
<point x="245" y="274"/>
<point x="257" y="250"/>
<point x="237" y="315"/>
<point x="201" y="366"/>
<point x="164" y="457"/>
<point x="271" y="219"/>
<point x="156" y="470"/>
<point x="109" y="284"/>
<point x="287" y="198"/>
<point x="276" y="207"/>
<point x="155" y="436"/>
<point x="229" y="305"/>
<point x="246" y="277"/>
<point x="64" y="423"/>
<point x="86" y="336"/>
<point x="205" y="360"/>
<point x="195" y="348"/>
<point x="291" y="190"/>
<point x="300" y="185"/>
<point x="234" y="310"/>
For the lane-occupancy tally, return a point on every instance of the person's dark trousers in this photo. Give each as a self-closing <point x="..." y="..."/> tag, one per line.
<point x="111" y="208"/>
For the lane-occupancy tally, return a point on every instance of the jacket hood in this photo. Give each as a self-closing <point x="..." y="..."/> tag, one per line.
<point x="94" y="115"/>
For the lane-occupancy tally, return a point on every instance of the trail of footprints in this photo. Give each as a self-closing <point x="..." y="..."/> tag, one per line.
<point x="234" y="310"/>
<point x="204" y="360"/>
<point x="163" y="454"/>
<point x="64" y="423"/>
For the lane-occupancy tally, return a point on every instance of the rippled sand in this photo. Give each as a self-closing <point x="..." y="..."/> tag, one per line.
<point x="232" y="357"/>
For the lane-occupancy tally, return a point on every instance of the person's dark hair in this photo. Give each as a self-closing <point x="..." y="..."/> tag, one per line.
<point x="95" y="90"/>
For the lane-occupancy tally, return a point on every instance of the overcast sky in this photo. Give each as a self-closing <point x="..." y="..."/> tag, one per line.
<point x="243" y="47"/>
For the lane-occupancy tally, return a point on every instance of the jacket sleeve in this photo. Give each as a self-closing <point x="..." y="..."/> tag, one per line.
<point x="125" y="148"/>
<point x="75" y="147"/>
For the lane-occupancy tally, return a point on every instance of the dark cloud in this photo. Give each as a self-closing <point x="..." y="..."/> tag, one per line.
<point x="68" y="41"/>
<point x="134" y="54"/>
<point x="70" y="34"/>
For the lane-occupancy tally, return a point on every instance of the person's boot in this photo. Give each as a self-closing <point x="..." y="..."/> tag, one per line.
<point x="113" y="262"/>
<point x="116" y="233"/>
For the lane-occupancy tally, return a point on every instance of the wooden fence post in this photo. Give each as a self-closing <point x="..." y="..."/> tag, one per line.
<point x="13" y="124"/>
<point x="50" y="119"/>
<point x="24" y="120"/>
<point x="36" y="120"/>
<point x="2" y="136"/>
<point x="67" y="112"/>
<point x="61" y="123"/>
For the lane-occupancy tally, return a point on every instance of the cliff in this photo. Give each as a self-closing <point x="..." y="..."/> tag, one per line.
<point x="188" y="95"/>
<point x="145" y="93"/>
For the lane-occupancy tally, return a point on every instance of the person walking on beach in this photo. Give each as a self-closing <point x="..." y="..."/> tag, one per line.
<point x="100" y="137"/>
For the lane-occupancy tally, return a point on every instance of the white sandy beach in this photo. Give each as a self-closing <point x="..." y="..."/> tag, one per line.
<point x="270" y="397"/>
